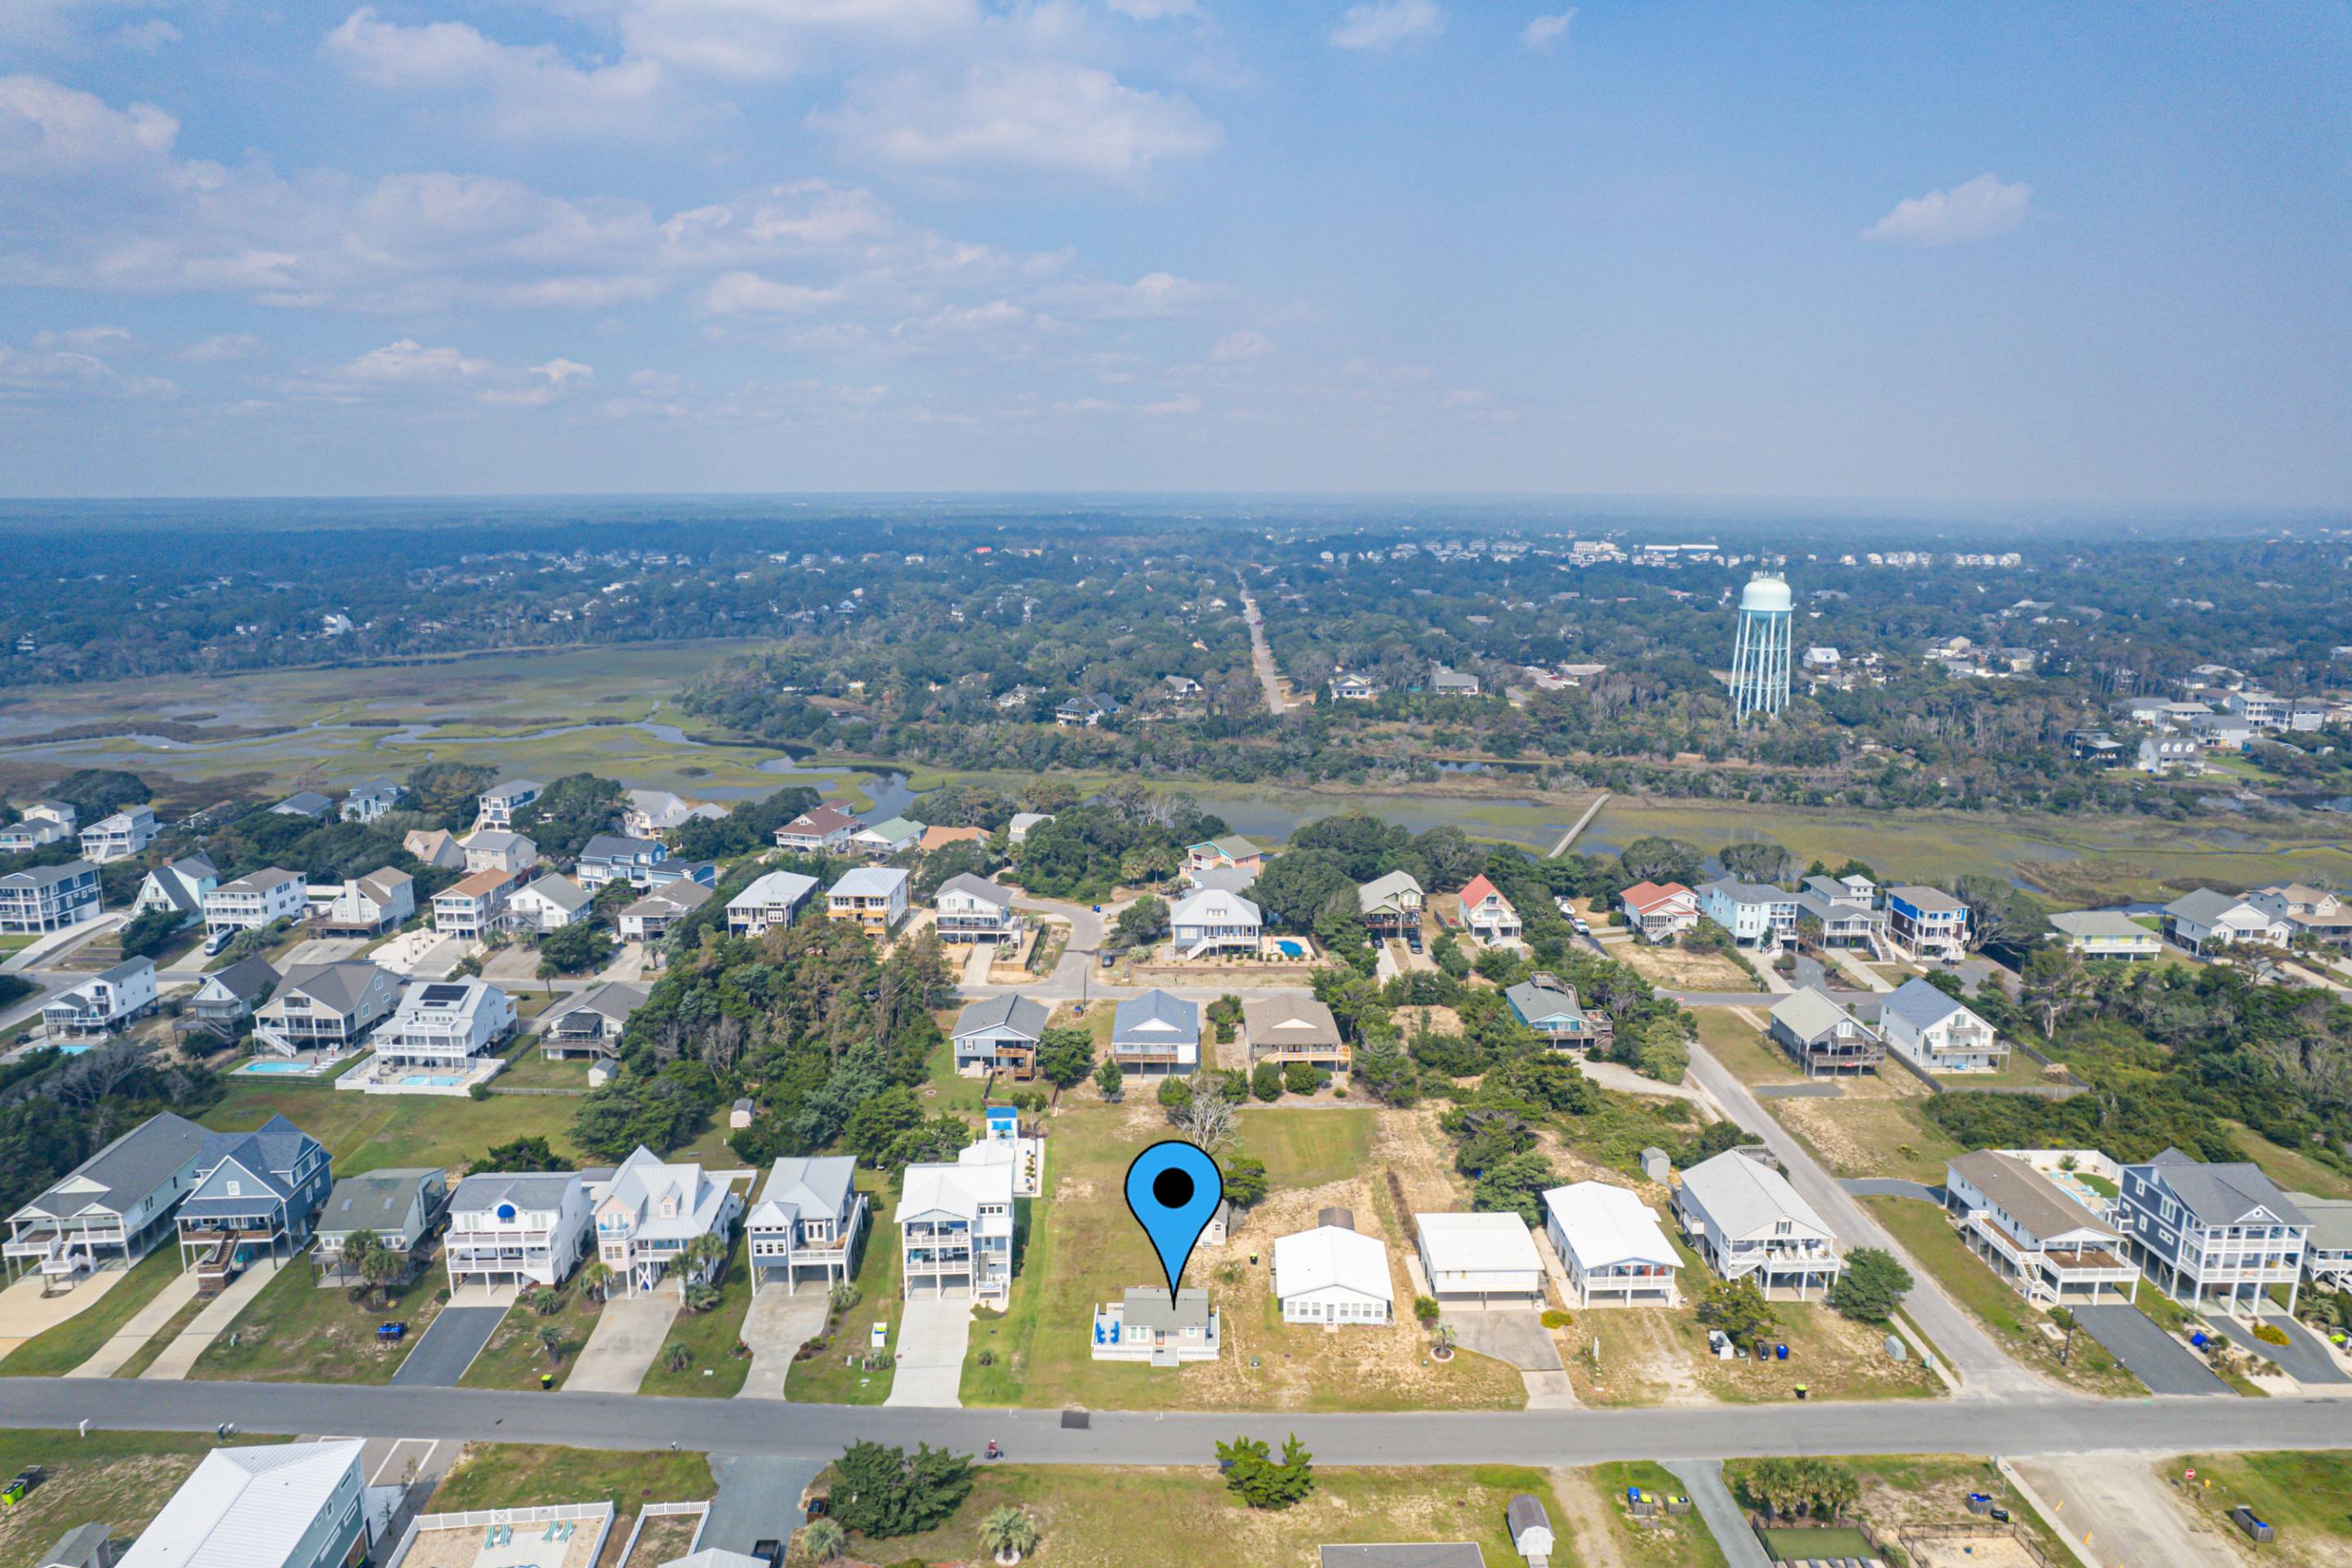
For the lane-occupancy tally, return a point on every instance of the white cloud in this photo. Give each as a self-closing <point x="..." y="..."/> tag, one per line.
<point x="1153" y="10"/>
<point x="1039" y="114"/>
<point x="763" y="39"/>
<point x="1976" y="209"/>
<point x="83" y="340"/>
<point x="49" y="130"/>
<point x="555" y="379"/>
<point x="1545" y="31"/>
<point x="1385" y="24"/>
<point x="410" y="361"/>
<point x="1241" y="345"/>
<point x="749" y="294"/>
<point x="220" y="347"/>
<point x="1153" y="294"/>
<point x="526" y="90"/>
<point x="46" y="372"/>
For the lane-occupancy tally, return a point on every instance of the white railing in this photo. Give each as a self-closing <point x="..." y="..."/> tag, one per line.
<point x="545" y="1514"/>
<point x="663" y="1510"/>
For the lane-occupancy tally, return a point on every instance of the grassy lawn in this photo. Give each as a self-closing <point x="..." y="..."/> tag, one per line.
<point x="369" y="1131"/>
<point x="2307" y="1496"/>
<point x="2291" y="1168"/>
<point x="16" y="942"/>
<point x="121" y="1478"/>
<point x="827" y="1377"/>
<point x="1095" y="1518"/>
<point x="293" y="1331"/>
<point x="78" y="1339"/>
<point x="160" y="1339"/>
<point x="1869" y="1134"/>
<point x="716" y="1372"/>
<point x="1745" y="1054"/>
<point x="523" y="1475"/>
<point x="1306" y="1148"/>
<point x="1671" y="1541"/>
<point x="515" y="1359"/>
<point x="1936" y="1246"/>
<point x="1825" y="1541"/>
<point x="948" y="1091"/>
<point x="530" y="1069"/>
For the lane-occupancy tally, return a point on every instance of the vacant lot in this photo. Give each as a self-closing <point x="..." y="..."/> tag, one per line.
<point x="117" y="1478"/>
<point x="523" y="1475"/>
<point x="294" y="1332"/>
<point x="2023" y="1330"/>
<point x="2307" y="1496"/>
<point x="1608" y="1532"/>
<point x="1747" y="1053"/>
<point x="1675" y="969"/>
<point x="1651" y="1355"/>
<point x="369" y="1131"/>
<point x="1158" y="1518"/>
<point x="1307" y="1148"/>
<point x="1930" y="1492"/>
<point x="1872" y="1129"/>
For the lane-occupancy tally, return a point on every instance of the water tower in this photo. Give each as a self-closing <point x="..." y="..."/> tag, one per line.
<point x="1760" y="658"/>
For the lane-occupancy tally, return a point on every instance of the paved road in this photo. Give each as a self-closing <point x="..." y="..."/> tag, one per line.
<point x="1704" y="1477"/>
<point x="1983" y="1369"/>
<point x="1722" y="998"/>
<point x="2153" y="1357"/>
<point x="2044" y="1425"/>
<point x="449" y="1346"/>
<point x="1262" y="657"/>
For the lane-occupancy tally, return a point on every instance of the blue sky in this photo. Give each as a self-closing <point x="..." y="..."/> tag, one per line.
<point x="2081" y="254"/>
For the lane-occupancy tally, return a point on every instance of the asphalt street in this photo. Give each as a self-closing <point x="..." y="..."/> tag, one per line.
<point x="1566" y="1437"/>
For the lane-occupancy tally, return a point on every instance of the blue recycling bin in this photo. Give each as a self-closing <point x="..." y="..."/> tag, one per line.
<point x="1779" y="1353"/>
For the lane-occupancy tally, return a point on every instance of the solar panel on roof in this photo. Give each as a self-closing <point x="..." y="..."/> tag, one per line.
<point x="440" y="996"/>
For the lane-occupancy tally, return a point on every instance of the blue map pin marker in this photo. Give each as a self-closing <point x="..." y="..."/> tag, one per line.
<point x="1173" y="1190"/>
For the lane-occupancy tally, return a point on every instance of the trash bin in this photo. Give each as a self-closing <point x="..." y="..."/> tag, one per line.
<point x="1779" y="1353"/>
<point x="1802" y="1391"/>
<point x="1979" y="1502"/>
<point x="2255" y="1528"/>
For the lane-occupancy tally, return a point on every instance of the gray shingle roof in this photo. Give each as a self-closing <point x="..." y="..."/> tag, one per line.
<point x="1533" y="1001"/>
<point x="1919" y="1005"/>
<point x="2099" y="923"/>
<point x="614" y="845"/>
<point x="337" y="985"/>
<point x="798" y="1186"/>
<point x="2331" y="1221"/>
<point x="126" y="1170"/>
<point x="980" y="887"/>
<point x="1019" y="1014"/>
<point x="2226" y="1194"/>
<point x="2205" y="906"/>
<point x="245" y="979"/>
<point x="539" y="1190"/>
<point x="378" y="1201"/>
<point x="1289" y="1018"/>
<point x="1811" y="1013"/>
<point x="2026" y="1195"/>
<point x="1156" y="1017"/>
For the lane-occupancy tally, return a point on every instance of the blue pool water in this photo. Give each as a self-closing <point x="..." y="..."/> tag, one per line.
<point x="267" y="1069"/>
<point x="71" y="1050"/>
<point x="1290" y="948"/>
<point x="431" y="1079"/>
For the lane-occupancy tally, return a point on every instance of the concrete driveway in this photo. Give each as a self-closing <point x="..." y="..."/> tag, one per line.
<point x="1725" y="1518"/>
<point x="933" y="1335"/>
<point x="449" y="1346"/>
<point x="2155" y="1357"/>
<point x="777" y="1325"/>
<point x="759" y="1499"/>
<point x="26" y="1313"/>
<point x="1519" y="1338"/>
<point x="630" y="1332"/>
<point x="322" y="950"/>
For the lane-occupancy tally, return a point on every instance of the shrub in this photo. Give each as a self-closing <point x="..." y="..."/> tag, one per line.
<point x="1304" y="1077"/>
<point x="1424" y="1309"/>
<point x="2270" y="1333"/>
<point x="1265" y="1081"/>
<point x="1553" y="1318"/>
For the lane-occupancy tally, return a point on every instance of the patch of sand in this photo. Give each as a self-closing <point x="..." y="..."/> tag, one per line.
<point x="1968" y="1552"/>
<point x="1589" y="1529"/>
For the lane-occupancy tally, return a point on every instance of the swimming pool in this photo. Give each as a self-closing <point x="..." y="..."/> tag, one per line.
<point x="272" y="1069"/>
<point x="431" y="1079"/>
<point x="1289" y="948"/>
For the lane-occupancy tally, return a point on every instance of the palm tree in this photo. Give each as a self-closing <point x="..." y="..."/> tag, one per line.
<point x="597" y="1276"/>
<point x="678" y="1355"/>
<point x="824" y="1541"/>
<point x="1444" y="1343"/>
<point x="1009" y="1533"/>
<point x="550" y="1340"/>
<point x="355" y="1255"/>
<point x="381" y="1266"/>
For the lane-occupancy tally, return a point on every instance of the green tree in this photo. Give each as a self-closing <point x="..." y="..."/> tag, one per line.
<point x="1755" y="861"/>
<point x="550" y="1340"/>
<point x="382" y="1266"/>
<point x="1658" y="859"/>
<point x="1065" y="1055"/>
<point x="570" y="811"/>
<point x="1175" y="1094"/>
<point x="1265" y="1081"/>
<point x="149" y="933"/>
<point x="574" y="949"/>
<point x="1303" y="1078"/>
<point x="824" y="1541"/>
<point x="2054" y="983"/>
<point x="1244" y="1180"/>
<point x="876" y="1122"/>
<point x="880" y="1492"/>
<point x="1260" y="1480"/>
<point x="527" y="1153"/>
<point x="1872" y="1287"/>
<point x="1738" y="1309"/>
<point x="1008" y="1534"/>
<point x="1144" y="920"/>
<point x="1110" y="1078"/>
<point x="1515" y="1184"/>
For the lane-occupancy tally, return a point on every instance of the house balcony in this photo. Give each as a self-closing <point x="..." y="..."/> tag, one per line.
<point x="979" y="928"/>
<point x="1154" y="1347"/>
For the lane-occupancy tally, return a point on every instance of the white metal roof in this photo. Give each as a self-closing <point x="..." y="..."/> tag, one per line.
<point x="1478" y="1242"/>
<point x="246" y="1508"/>
<point x="1608" y="1225"/>
<point x="1331" y="1255"/>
